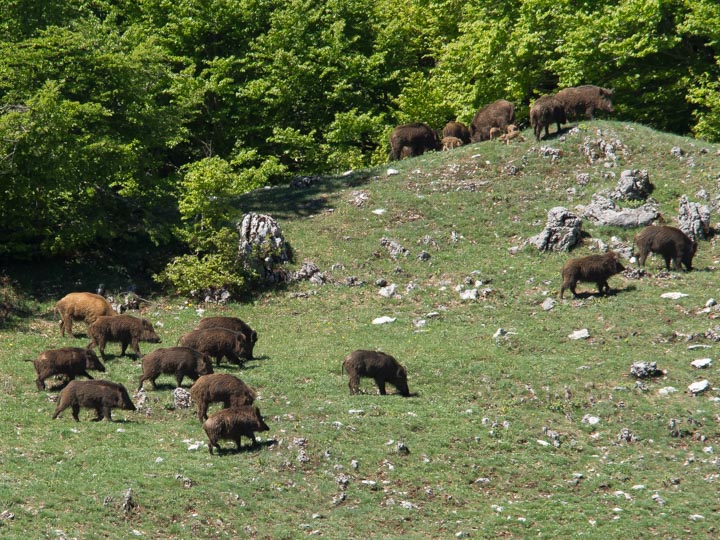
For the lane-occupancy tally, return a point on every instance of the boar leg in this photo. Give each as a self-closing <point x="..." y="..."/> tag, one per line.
<point x="354" y="384"/>
<point x="76" y="411"/>
<point x="136" y="347"/>
<point x="381" y="386"/>
<point x="40" y="383"/>
<point x="179" y="378"/>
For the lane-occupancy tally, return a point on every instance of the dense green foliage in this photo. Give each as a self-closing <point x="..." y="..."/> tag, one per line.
<point x="106" y="107"/>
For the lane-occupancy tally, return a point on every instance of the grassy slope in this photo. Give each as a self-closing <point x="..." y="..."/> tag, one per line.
<point x="475" y="464"/>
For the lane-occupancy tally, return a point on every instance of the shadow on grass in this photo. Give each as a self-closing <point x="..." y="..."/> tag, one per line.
<point x="245" y="448"/>
<point x="594" y="294"/>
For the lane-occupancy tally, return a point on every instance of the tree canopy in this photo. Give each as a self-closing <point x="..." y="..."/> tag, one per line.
<point x="118" y="118"/>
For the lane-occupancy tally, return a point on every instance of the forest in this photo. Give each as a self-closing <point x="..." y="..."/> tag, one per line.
<point x="132" y="127"/>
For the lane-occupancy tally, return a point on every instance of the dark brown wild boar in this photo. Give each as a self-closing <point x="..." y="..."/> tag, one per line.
<point x="670" y="242"/>
<point x="232" y="424"/>
<point x="179" y="361"/>
<point x="123" y="329"/>
<point x="545" y="111"/>
<point x="220" y="387"/>
<point x="81" y="306"/>
<point x="417" y="138"/>
<point x="103" y="396"/>
<point x="68" y="361"/>
<point x="381" y="367"/>
<point x="458" y="130"/>
<point x="217" y="342"/>
<point x="593" y="268"/>
<point x="499" y="114"/>
<point x="236" y="325"/>
<point x="585" y="100"/>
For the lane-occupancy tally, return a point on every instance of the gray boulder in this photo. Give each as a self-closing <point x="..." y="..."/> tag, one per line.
<point x="562" y="231"/>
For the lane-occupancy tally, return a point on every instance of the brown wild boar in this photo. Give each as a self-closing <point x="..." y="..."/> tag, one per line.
<point x="179" y="361"/>
<point x="499" y="114"/>
<point x="103" y="396"/>
<point x="81" y="306"/>
<point x="458" y="130"/>
<point x="68" y="361"/>
<point x="418" y="138"/>
<point x="236" y="325"/>
<point x="220" y="387"/>
<point x="382" y="367"/>
<point x="585" y="100"/>
<point x="545" y="111"/>
<point x="123" y="329"/>
<point x="448" y="143"/>
<point x="232" y="424"/>
<point x="593" y="268"/>
<point x="217" y="342"/>
<point x="670" y="242"/>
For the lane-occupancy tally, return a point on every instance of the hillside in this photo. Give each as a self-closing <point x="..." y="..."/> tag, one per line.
<point x="518" y="433"/>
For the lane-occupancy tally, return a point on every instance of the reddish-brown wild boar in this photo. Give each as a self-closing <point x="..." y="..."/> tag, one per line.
<point x="381" y="367"/>
<point x="179" y="361"/>
<point x="123" y="329"/>
<point x="232" y="424"/>
<point x="68" y="361"/>
<point x="236" y="325"/>
<point x="103" y="396"/>
<point x="81" y="306"/>
<point x="593" y="268"/>
<point x="674" y="245"/>
<point x="217" y="342"/>
<point x="220" y="387"/>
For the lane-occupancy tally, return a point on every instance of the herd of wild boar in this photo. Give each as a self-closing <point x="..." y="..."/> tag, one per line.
<point x="214" y="338"/>
<point x="497" y="121"/>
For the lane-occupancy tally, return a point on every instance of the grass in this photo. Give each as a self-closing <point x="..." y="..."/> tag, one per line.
<point x="482" y="462"/>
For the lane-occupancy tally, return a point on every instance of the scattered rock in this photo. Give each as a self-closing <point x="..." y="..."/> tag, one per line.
<point x="562" y="232"/>
<point x="673" y="295"/>
<point x="394" y="248"/>
<point x="677" y="152"/>
<point x="262" y="246"/>
<point x="392" y="172"/>
<point x="308" y="271"/>
<point x="626" y="435"/>
<point x="604" y="211"/>
<point x="644" y="370"/>
<point x="590" y="420"/>
<point x="469" y="294"/>
<point x="580" y="334"/>
<point x="548" y="304"/>
<point x="181" y="398"/>
<point x="634" y="185"/>
<point x="359" y="198"/>
<point x="667" y="390"/>
<point x="694" y="219"/>
<point x="698" y="387"/>
<point x="423" y="256"/>
<point x="384" y="320"/>
<point x="701" y="363"/>
<point x="388" y="291"/>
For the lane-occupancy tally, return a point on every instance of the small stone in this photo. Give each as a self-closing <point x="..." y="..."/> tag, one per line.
<point x="697" y="517"/>
<point x="673" y="295"/>
<point x="667" y="390"/>
<point x="384" y="320"/>
<point x="548" y="304"/>
<point x="590" y="420"/>
<point x="643" y="370"/>
<point x="392" y="172"/>
<point x="701" y="363"/>
<point x="469" y="294"/>
<point x="381" y="282"/>
<point x="710" y="303"/>
<point x="388" y="291"/>
<point x="580" y="334"/>
<point x="699" y="387"/>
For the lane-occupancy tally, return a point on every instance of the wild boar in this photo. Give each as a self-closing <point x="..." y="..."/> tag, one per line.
<point x="236" y="325"/>
<point x="232" y="424"/>
<point x="597" y="268"/>
<point x="545" y="111"/>
<point x="458" y="130"/>
<point x="585" y="100"/>
<point x="448" y="143"/>
<point x="382" y="367"/>
<point x="68" y="361"/>
<point x="103" y="396"/>
<point x="499" y="114"/>
<point x="81" y="306"/>
<point x="417" y="137"/>
<point x="179" y="361"/>
<point x="670" y="242"/>
<point x="217" y="342"/>
<point x="220" y="387"/>
<point x="123" y="329"/>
